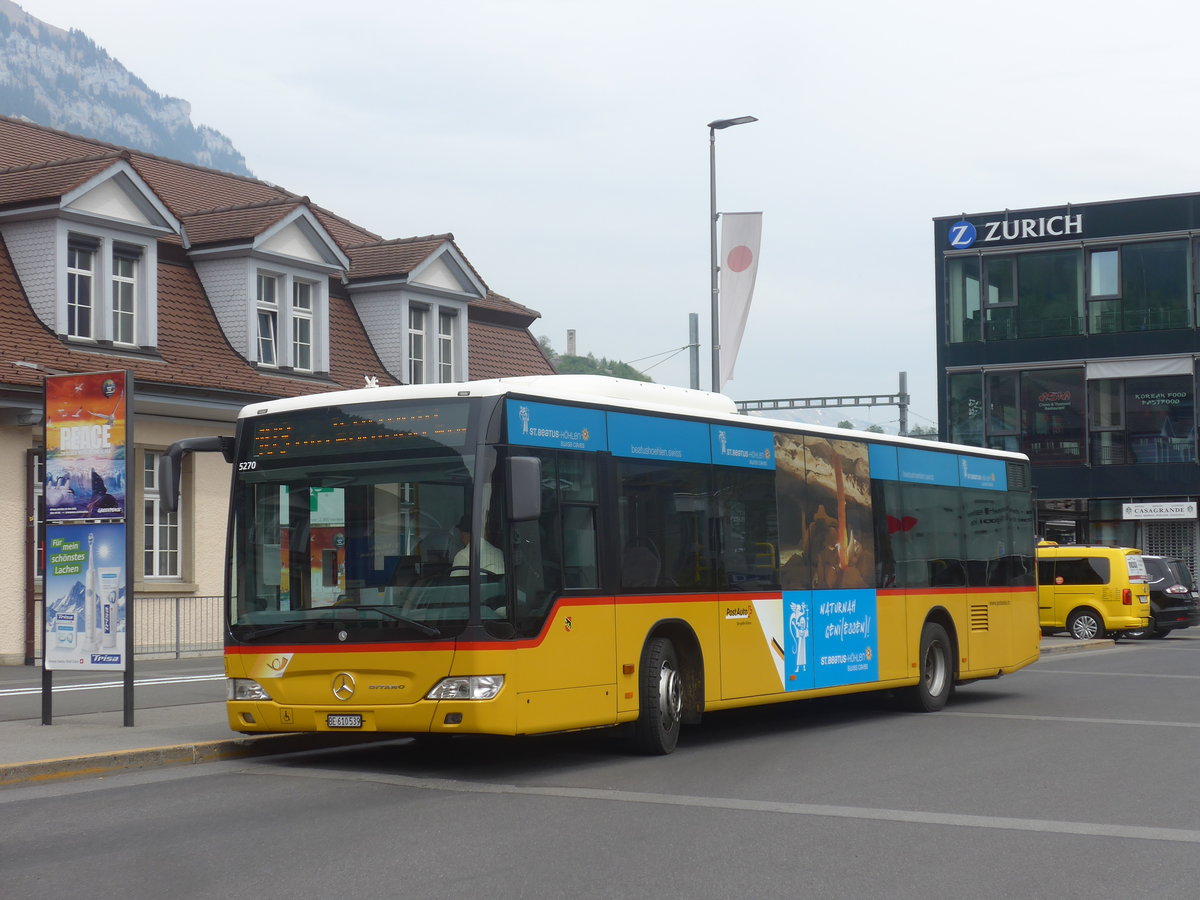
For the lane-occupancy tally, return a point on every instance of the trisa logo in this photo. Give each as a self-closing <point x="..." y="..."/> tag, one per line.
<point x="963" y="234"/>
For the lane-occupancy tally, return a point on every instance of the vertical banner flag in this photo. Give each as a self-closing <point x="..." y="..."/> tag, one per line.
<point x="740" y="238"/>
<point x="86" y="580"/>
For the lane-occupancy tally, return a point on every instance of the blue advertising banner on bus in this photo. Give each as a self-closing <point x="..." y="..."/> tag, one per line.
<point x="746" y="447"/>
<point x="649" y="437"/>
<point x="556" y="427"/>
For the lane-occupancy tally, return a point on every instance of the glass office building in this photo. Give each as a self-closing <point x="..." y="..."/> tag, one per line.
<point x="1071" y="334"/>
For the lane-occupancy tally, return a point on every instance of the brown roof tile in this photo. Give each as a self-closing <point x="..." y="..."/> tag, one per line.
<point x="48" y="181"/>
<point x="219" y="226"/>
<point x="40" y="164"/>
<point x="192" y="348"/>
<point x="498" y="351"/>
<point x="380" y="259"/>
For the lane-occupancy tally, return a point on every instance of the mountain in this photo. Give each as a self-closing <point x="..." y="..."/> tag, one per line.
<point x="62" y="79"/>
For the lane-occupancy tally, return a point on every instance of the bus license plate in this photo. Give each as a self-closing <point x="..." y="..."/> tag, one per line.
<point x="354" y="721"/>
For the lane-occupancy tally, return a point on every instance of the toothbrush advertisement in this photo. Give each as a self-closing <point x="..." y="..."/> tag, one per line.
<point x="85" y="596"/>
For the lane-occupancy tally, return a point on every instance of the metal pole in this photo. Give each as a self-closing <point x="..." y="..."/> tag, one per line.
<point x="903" y="404"/>
<point x="694" y="350"/>
<point x="712" y="233"/>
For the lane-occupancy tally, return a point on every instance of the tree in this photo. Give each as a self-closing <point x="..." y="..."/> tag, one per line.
<point x="590" y="365"/>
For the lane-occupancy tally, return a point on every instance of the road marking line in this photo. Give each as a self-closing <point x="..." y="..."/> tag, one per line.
<point x="1044" y="826"/>
<point x="1113" y="674"/>
<point x="101" y="685"/>
<point x="1074" y="719"/>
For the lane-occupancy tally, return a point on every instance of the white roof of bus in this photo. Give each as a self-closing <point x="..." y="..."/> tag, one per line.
<point x="600" y="390"/>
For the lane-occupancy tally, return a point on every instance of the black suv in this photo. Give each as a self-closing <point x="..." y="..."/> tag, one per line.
<point x="1174" y="602"/>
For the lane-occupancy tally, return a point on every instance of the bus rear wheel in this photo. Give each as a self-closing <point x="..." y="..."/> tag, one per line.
<point x="937" y="671"/>
<point x="656" y="731"/>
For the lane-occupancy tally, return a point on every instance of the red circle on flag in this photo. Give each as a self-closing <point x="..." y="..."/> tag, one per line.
<point x="739" y="258"/>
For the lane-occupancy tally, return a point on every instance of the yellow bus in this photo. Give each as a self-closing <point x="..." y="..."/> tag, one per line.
<point x="551" y="553"/>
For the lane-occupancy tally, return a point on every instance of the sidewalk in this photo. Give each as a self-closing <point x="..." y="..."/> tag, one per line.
<point x="98" y="743"/>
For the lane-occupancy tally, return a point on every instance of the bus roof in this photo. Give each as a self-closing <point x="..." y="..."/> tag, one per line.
<point x="598" y="390"/>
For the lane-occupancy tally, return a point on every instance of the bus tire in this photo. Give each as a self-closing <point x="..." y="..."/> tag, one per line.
<point x="661" y="712"/>
<point x="1085" y="624"/>
<point x="937" y="671"/>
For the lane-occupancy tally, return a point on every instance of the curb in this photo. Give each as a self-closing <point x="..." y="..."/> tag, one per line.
<point x="1077" y="647"/>
<point x="93" y="764"/>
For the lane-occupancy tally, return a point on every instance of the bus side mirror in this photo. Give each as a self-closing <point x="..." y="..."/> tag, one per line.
<point x="171" y="462"/>
<point x="524" y="488"/>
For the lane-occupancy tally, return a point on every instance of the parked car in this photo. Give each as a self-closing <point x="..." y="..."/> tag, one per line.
<point x="1092" y="590"/>
<point x="1174" y="601"/>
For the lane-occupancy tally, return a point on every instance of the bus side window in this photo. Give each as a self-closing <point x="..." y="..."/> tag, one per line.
<point x="560" y="550"/>
<point x="747" y="537"/>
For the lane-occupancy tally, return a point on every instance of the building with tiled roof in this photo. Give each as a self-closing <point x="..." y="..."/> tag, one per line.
<point x="213" y="291"/>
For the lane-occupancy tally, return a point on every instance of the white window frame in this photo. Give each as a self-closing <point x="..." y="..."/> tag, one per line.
<point x="416" y="349"/>
<point x="162" y="532"/>
<point x="289" y="320"/>
<point x="267" y="319"/>
<point x="302" y="325"/>
<point x="118" y="298"/>
<point x="446" y="343"/>
<point x="79" y="275"/>
<point x="125" y="294"/>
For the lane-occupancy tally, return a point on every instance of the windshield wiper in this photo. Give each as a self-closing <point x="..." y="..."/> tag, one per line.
<point x="404" y="620"/>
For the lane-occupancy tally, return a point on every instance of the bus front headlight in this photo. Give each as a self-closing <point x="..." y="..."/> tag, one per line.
<point x="472" y="687"/>
<point x="245" y="689"/>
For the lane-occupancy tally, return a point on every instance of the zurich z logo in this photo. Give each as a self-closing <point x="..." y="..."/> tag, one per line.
<point x="962" y="235"/>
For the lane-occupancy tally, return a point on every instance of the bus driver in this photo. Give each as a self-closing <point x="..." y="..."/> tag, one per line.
<point x="491" y="560"/>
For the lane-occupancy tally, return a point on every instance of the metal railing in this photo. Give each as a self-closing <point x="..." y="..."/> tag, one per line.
<point x="169" y="627"/>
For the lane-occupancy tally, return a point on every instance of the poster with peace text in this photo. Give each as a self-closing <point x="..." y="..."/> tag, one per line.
<point x="85" y="446"/>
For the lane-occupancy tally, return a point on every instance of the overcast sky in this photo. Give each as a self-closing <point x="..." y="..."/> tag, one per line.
<point x="565" y="146"/>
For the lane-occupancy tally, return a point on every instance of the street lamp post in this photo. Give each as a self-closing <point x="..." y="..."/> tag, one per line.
<point x="713" y="127"/>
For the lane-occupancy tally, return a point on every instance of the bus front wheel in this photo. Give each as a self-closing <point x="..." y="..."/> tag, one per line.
<point x="937" y="671"/>
<point x="657" y="729"/>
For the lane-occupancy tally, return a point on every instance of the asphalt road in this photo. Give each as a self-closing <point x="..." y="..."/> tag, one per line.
<point x="1073" y="778"/>
<point x="156" y="684"/>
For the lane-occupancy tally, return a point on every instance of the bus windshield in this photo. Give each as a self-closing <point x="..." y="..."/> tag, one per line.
<point x="362" y="544"/>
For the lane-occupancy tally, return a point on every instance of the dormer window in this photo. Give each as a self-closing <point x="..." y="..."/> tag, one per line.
<point x="287" y="336"/>
<point x="88" y="259"/>
<point x="91" y="312"/>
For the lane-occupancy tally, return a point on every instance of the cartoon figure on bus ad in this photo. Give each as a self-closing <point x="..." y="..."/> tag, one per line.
<point x="827" y="571"/>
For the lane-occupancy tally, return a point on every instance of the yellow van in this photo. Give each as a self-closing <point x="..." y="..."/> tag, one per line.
<point x="1092" y="590"/>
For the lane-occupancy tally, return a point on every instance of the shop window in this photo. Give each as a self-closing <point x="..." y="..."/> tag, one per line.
<point x="1004" y="411"/>
<point x="1052" y="416"/>
<point x="965" y="414"/>
<point x="1142" y="420"/>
